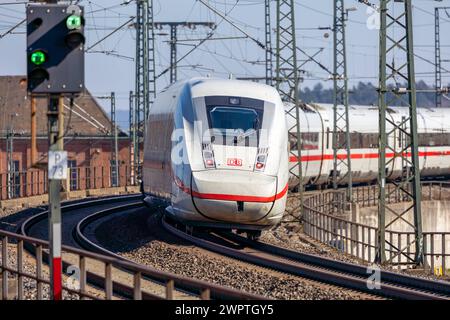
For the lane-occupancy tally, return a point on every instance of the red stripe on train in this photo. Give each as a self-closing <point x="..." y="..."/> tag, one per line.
<point x="320" y="157"/>
<point x="230" y="197"/>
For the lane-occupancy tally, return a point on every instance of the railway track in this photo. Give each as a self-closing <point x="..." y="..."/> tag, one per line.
<point x="184" y="288"/>
<point x="351" y="276"/>
<point x="346" y="275"/>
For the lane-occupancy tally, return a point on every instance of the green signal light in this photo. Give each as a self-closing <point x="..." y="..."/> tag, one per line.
<point x="73" y="22"/>
<point x="38" y="57"/>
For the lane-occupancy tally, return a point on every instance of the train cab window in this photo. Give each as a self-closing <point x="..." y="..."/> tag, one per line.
<point x="234" y="120"/>
<point x="235" y="126"/>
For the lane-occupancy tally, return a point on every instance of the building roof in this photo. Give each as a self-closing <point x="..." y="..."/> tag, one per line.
<point x="87" y="118"/>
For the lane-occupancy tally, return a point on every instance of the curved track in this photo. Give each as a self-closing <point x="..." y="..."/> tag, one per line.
<point x="346" y="275"/>
<point x="83" y="240"/>
<point x="78" y="215"/>
<point x="352" y="276"/>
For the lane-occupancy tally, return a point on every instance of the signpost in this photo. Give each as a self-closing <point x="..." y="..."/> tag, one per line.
<point x="57" y="170"/>
<point x="55" y="69"/>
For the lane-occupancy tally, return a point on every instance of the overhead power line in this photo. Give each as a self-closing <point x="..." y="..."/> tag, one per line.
<point x="13" y="28"/>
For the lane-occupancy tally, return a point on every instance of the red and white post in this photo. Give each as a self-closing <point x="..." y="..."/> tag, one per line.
<point x="57" y="171"/>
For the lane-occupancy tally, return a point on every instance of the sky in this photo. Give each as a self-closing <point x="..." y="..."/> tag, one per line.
<point x="110" y="65"/>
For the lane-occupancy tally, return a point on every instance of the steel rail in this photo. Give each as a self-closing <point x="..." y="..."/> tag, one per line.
<point x="191" y="286"/>
<point x="73" y="205"/>
<point x="88" y="244"/>
<point x="92" y="278"/>
<point x="431" y="286"/>
<point x="308" y="270"/>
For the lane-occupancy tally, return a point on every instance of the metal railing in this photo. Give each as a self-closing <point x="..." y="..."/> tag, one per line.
<point x="323" y="221"/>
<point x="327" y="218"/>
<point x="15" y="265"/>
<point x="34" y="182"/>
<point x="367" y="196"/>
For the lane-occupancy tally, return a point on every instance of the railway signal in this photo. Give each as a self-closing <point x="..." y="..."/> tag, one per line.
<point x="55" y="68"/>
<point x="55" y="48"/>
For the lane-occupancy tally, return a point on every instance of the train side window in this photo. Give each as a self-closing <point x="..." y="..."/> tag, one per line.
<point x="356" y="140"/>
<point x="340" y="139"/>
<point x="293" y="141"/>
<point x="370" y="140"/>
<point x="309" y="141"/>
<point x="328" y="137"/>
<point x="375" y="141"/>
<point x="365" y="140"/>
<point x="446" y="139"/>
<point x="433" y="139"/>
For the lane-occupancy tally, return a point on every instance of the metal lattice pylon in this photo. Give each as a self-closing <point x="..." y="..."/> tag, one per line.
<point x="398" y="138"/>
<point x="145" y="71"/>
<point x="287" y="76"/>
<point x="268" y="43"/>
<point x="342" y="172"/>
<point x="132" y="135"/>
<point x="173" y="53"/>
<point x="174" y="40"/>
<point x="437" y="55"/>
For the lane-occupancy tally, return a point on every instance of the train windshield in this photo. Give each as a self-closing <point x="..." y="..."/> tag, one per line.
<point x="234" y="125"/>
<point x="234" y="120"/>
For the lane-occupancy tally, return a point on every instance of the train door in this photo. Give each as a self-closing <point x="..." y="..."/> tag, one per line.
<point x="320" y="124"/>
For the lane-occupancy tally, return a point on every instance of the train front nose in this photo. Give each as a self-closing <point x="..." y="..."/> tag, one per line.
<point x="234" y="196"/>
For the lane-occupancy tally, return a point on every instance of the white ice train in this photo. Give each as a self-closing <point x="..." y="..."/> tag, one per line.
<point x="316" y="124"/>
<point x="217" y="152"/>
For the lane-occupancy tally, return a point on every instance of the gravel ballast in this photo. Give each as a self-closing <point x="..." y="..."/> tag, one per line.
<point x="141" y="238"/>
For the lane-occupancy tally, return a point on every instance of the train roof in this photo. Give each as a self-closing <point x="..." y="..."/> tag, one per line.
<point x="365" y="118"/>
<point x="393" y="110"/>
<point x="201" y="87"/>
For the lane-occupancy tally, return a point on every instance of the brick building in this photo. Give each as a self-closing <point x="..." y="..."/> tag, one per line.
<point x="88" y="141"/>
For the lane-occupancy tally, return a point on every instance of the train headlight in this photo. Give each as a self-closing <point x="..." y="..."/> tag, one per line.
<point x="260" y="164"/>
<point x="208" y="156"/>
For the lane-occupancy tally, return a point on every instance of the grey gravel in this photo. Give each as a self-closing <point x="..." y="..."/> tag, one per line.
<point x="139" y="237"/>
<point x="290" y="236"/>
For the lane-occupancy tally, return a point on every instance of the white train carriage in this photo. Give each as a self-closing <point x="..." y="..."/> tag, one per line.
<point x="317" y="142"/>
<point x="217" y="152"/>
